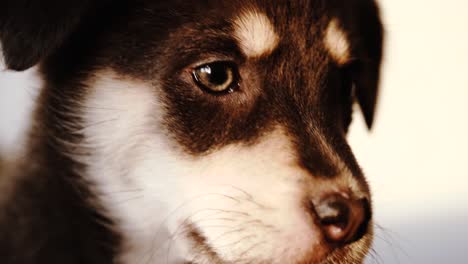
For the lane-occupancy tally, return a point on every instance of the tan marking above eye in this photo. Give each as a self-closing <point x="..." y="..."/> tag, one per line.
<point x="337" y="43"/>
<point x="255" y="33"/>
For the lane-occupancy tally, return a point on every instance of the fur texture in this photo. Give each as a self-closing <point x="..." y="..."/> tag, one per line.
<point x="129" y="161"/>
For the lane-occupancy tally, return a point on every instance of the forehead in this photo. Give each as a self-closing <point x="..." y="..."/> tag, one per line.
<point x="182" y="30"/>
<point x="250" y="29"/>
<point x="259" y="26"/>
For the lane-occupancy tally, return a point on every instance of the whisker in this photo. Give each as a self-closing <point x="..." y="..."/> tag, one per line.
<point x="375" y="256"/>
<point x="171" y="238"/>
<point x="99" y="123"/>
<point x="186" y="220"/>
<point x="101" y="108"/>
<point x="129" y="199"/>
<point x="392" y="243"/>
<point x="248" y="197"/>
<point x="238" y="228"/>
<point x="251" y="248"/>
<point x="119" y="192"/>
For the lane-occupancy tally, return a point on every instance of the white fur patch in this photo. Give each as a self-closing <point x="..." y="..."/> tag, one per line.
<point x="255" y="33"/>
<point x="246" y="201"/>
<point x="337" y="43"/>
<point x="18" y="97"/>
<point x="2" y="59"/>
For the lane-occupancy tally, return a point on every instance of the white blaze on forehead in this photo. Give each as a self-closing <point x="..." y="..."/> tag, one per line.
<point x="255" y="33"/>
<point x="337" y="43"/>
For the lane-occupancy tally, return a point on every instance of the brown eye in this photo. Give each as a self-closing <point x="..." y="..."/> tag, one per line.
<point x="217" y="77"/>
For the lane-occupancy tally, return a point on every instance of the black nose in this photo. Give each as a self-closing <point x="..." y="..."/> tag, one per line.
<point x="343" y="220"/>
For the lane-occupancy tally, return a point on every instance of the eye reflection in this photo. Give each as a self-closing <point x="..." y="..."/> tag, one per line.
<point x="217" y="77"/>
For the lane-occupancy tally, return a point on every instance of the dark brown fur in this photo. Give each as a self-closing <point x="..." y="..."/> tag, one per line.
<point x="52" y="217"/>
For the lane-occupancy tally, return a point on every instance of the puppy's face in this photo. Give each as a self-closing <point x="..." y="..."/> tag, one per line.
<point x="215" y="131"/>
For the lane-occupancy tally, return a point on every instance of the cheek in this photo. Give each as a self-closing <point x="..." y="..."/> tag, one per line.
<point x="245" y="200"/>
<point x="237" y="197"/>
<point x="201" y="121"/>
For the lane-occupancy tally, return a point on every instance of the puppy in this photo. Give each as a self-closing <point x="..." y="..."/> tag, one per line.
<point x="191" y="131"/>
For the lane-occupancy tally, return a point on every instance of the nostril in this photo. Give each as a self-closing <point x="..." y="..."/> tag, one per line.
<point x="342" y="220"/>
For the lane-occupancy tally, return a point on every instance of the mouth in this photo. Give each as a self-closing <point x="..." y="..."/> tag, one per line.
<point x="354" y="253"/>
<point x="203" y="253"/>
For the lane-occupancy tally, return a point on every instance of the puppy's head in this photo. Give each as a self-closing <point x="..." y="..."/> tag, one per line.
<point x="212" y="131"/>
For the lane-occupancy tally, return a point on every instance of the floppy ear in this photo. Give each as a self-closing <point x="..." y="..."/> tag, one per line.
<point x="368" y="72"/>
<point x="366" y="90"/>
<point x="30" y="30"/>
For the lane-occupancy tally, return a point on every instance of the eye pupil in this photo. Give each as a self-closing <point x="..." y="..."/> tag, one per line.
<point x="218" y="74"/>
<point x="217" y="77"/>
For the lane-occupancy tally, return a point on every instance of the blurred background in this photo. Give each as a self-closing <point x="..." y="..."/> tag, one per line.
<point x="416" y="156"/>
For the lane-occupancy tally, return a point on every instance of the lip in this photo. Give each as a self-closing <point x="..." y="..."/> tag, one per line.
<point x="200" y="246"/>
<point x="354" y="253"/>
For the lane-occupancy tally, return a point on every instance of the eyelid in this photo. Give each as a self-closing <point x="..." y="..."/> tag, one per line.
<point x="212" y="59"/>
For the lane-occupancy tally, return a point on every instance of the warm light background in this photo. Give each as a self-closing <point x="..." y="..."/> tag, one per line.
<point x="415" y="158"/>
